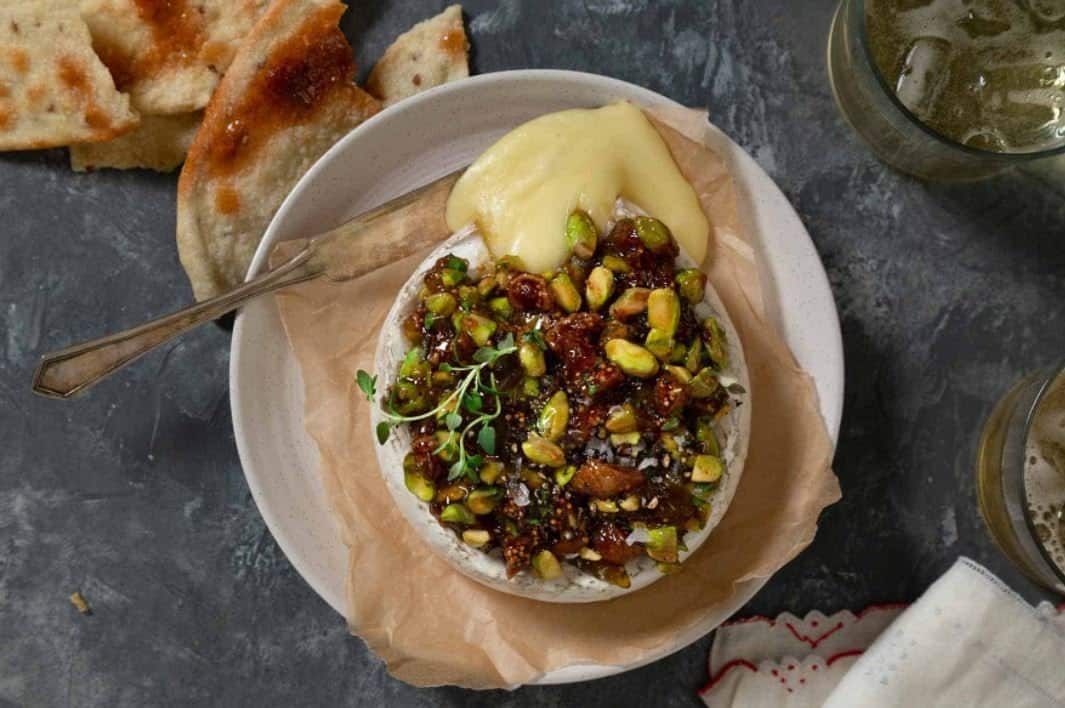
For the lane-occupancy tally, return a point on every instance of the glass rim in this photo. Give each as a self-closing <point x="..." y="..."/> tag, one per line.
<point x="1056" y="371"/>
<point x="863" y="36"/>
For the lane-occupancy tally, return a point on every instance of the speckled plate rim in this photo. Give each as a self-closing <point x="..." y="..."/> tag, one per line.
<point x="266" y="393"/>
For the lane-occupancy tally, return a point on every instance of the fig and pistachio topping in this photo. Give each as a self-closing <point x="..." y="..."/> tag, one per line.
<point x="568" y="418"/>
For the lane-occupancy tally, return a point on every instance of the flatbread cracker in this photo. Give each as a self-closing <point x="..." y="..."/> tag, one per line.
<point x="53" y="88"/>
<point x="159" y="143"/>
<point x="431" y="53"/>
<point x="288" y="96"/>
<point x="169" y="55"/>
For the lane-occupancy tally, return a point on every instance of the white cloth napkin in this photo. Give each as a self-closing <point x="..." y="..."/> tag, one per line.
<point x="969" y="641"/>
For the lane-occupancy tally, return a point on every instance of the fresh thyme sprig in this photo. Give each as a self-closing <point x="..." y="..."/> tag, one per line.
<point x="470" y="395"/>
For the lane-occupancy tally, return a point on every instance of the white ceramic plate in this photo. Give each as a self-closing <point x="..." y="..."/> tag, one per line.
<point x="412" y="143"/>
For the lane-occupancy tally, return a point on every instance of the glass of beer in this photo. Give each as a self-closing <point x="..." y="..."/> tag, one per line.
<point x="952" y="89"/>
<point x="1020" y="476"/>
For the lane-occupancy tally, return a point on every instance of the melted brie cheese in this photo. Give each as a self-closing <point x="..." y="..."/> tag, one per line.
<point x="520" y="192"/>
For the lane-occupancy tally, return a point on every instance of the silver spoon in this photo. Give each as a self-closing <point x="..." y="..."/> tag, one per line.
<point x="369" y="241"/>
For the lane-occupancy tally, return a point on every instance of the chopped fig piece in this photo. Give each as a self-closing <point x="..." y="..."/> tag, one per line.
<point x="527" y="291"/>
<point x="608" y="540"/>
<point x="602" y="480"/>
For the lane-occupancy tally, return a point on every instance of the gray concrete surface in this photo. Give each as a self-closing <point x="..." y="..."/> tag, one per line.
<point x="135" y="496"/>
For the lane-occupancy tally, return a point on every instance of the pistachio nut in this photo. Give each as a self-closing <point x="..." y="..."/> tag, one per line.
<point x="581" y="234"/>
<point x="599" y="287"/>
<point x="554" y="417"/>
<point x="565" y="293"/>
<point x="543" y="452"/>
<point x="631" y="358"/>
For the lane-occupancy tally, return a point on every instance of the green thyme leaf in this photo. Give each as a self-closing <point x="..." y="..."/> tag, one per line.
<point x="484" y="355"/>
<point x="506" y="344"/>
<point x="456" y="470"/>
<point x="367" y="383"/>
<point x="535" y="337"/>
<point x="383" y="431"/>
<point x="486" y="438"/>
<point x="473" y="402"/>
<point x="453" y="420"/>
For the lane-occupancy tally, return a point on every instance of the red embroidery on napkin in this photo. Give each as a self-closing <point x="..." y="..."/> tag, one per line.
<point x="735" y="663"/>
<point x="842" y="655"/>
<point x="809" y="640"/>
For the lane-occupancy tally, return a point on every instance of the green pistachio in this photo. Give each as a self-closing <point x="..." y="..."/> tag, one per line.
<point x="532" y="359"/>
<point x="564" y="474"/>
<point x="486" y="285"/>
<point x="621" y="419"/>
<point x="409" y="398"/>
<point x="707" y="468"/>
<point x="692" y="285"/>
<point x="491" y="471"/>
<point x="606" y="506"/>
<point x="581" y="234"/>
<point x="450" y="493"/>
<point x="543" y="452"/>
<point x="451" y="277"/>
<point x="411" y="367"/>
<point x="448" y="444"/>
<point x="565" y="293"/>
<point x="631" y="358"/>
<point x="716" y="343"/>
<point x="599" y="287"/>
<point x="630" y="503"/>
<point x="443" y="379"/>
<point x="546" y="565"/>
<point x="680" y="374"/>
<point x="457" y="514"/>
<point x="442" y="304"/>
<point x="630" y="303"/>
<point x="554" y="417"/>
<point x="416" y="484"/>
<point x="694" y="361"/>
<point x="479" y="328"/>
<point x="530" y="387"/>
<point x="469" y="296"/>
<point x="662" y="545"/>
<point x="704" y="433"/>
<point x="501" y="306"/>
<point x="482" y="501"/>
<point x="619" y="439"/>
<point x="659" y="343"/>
<point x="704" y="384"/>
<point x="653" y="233"/>
<point x="663" y="310"/>
<point x="534" y="479"/>
<point x="476" y="537"/>
<point x="679" y="353"/>
<point x="616" y="264"/>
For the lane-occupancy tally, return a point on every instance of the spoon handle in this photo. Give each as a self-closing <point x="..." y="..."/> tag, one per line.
<point x="69" y="371"/>
<point x="373" y="239"/>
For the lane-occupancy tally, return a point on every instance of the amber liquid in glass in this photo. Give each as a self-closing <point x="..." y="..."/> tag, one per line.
<point x="988" y="74"/>
<point x="1044" y="473"/>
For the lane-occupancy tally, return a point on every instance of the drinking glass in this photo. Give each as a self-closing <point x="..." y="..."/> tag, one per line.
<point x="1026" y="516"/>
<point x="895" y="134"/>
